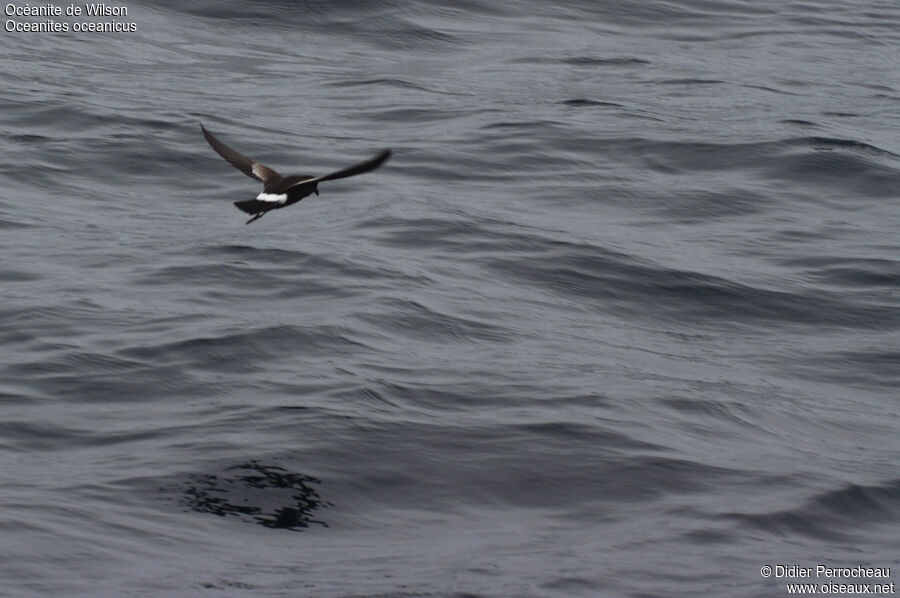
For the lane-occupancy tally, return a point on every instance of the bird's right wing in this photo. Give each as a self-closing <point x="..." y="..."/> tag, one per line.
<point x="359" y="168"/>
<point x="248" y="166"/>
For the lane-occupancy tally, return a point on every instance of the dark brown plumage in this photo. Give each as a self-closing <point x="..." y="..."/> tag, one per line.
<point x="281" y="191"/>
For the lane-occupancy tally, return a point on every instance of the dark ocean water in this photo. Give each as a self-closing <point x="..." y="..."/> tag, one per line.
<point x="619" y="318"/>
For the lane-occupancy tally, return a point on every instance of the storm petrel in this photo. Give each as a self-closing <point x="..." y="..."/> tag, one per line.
<point x="282" y="191"/>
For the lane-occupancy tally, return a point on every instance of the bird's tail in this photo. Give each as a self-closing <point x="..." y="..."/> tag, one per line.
<point x="252" y="206"/>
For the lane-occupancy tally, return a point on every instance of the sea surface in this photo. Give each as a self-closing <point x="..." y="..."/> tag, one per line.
<point x="620" y="318"/>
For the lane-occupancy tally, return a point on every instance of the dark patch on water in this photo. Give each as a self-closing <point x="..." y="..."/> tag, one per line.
<point x="587" y="102"/>
<point x="842" y="114"/>
<point x="267" y="495"/>
<point x="600" y="61"/>
<point x="585" y="60"/>
<point x="690" y="82"/>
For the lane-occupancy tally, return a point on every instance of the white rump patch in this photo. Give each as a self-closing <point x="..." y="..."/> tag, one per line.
<point x="273" y="197"/>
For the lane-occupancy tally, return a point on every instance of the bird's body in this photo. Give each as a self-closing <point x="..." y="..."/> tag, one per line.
<point x="281" y="191"/>
<point x="280" y="194"/>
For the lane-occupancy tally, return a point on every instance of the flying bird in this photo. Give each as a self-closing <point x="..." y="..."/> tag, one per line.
<point x="281" y="191"/>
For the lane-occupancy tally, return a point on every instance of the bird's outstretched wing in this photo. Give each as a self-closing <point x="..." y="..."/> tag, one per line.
<point x="248" y="166"/>
<point x="359" y="168"/>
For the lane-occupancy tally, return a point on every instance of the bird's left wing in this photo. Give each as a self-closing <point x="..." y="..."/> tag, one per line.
<point x="248" y="166"/>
